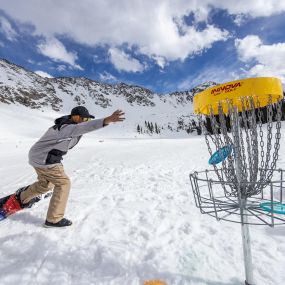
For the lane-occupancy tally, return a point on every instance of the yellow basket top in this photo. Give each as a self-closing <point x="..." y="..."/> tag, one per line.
<point x="259" y="88"/>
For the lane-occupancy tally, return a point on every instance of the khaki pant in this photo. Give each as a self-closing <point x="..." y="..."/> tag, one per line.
<point x="49" y="178"/>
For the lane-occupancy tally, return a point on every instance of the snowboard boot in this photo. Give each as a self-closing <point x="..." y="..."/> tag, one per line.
<point x="30" y="203"/>
<point x="62" y="223"/>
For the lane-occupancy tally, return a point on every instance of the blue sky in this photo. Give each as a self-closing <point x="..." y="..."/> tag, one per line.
<point x="163" y="45"/>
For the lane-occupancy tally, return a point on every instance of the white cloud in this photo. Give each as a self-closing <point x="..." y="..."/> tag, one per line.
<point x="106" y="76"/>
<point x="160" y="60"/>
<point x="61" y="67"/>
<point x="124" y="62"/>
<point x="152" y="27"/>
<point x="98" y="59"/>
<point x="55" y="50"/>
<point x="155" y="28"/>
<point x="253" y="8"/>
<point x="31" y="61"/>
<point x="7" y="29"/>
<point x="264" y="60"/>
<point x="240" y="19"/>
<point x="43" y="74"/>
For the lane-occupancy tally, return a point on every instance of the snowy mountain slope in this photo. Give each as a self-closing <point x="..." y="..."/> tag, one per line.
<point x="24" y="88"/>
<point x="133" y="212"/>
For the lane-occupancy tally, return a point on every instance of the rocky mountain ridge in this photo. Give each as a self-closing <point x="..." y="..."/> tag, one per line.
<point x="22" y="87"/>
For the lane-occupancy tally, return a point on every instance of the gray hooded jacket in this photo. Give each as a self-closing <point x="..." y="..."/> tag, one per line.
<point x="49" y="149"/>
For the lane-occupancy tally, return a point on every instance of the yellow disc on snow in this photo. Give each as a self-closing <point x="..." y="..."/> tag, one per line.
<point x="154" y="282"/>
<point x="260" y="89"/>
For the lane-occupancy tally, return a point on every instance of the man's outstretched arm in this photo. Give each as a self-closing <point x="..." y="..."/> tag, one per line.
<point x="86" y="127"/>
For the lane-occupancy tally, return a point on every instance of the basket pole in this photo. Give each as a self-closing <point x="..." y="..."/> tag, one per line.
<point x="246" y="244"/>
<point x="242" y="202"/>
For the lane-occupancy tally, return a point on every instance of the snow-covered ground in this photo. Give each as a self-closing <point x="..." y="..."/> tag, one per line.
<point x="133" y="213"/>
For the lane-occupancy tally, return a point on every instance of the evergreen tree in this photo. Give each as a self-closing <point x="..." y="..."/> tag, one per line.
<point x="148" y="126"/>
<point x="151" y="127"/>
<point x="156" y="128"/>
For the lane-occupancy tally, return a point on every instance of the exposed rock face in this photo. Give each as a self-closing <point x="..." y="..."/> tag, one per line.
<point x="18" y="85"/>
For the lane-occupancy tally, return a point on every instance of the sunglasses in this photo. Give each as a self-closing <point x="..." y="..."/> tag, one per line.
<point x="86" y="119"/>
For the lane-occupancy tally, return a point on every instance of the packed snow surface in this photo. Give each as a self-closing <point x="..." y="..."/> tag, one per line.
<point x="134" y="217"/>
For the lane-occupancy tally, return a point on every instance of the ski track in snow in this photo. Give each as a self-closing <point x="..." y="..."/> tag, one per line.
<point x="134" y="220"/>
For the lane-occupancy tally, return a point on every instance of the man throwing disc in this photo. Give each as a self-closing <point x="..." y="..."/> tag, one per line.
<point x="46" y="156"/>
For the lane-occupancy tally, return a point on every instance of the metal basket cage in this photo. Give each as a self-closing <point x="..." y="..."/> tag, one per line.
<point x="215" y="198"/>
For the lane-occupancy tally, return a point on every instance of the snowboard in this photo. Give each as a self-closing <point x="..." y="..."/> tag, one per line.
<point x="10" y="204"/>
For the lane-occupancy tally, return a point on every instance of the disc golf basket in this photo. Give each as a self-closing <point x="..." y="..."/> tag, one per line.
<point x="243" y="139"/>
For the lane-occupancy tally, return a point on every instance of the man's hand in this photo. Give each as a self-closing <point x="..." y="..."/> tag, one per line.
<point x="117" y="116"/>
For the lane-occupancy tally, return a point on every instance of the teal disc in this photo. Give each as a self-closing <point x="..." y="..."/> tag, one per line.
<point x="273" y="207"/>
<point x="220" y="155"/>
